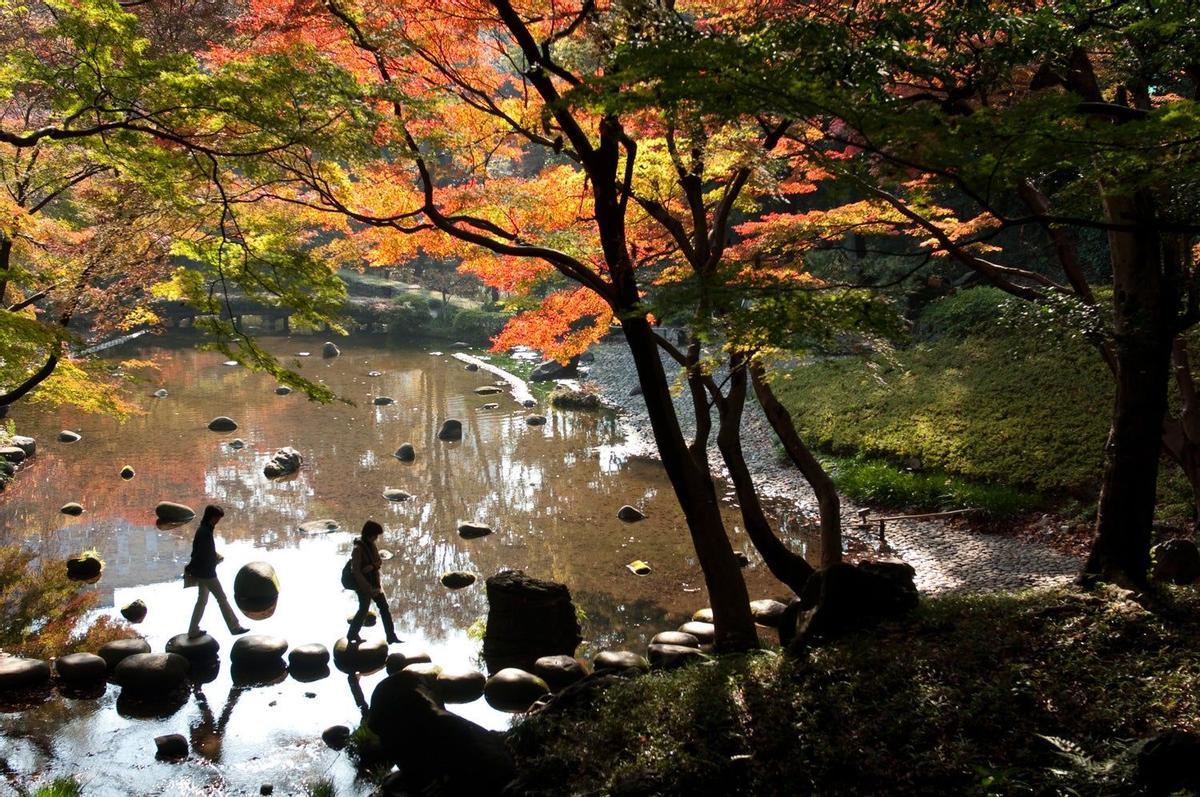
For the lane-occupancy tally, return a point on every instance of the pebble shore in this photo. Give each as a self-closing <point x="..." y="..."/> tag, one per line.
<point x="946" y="558"/>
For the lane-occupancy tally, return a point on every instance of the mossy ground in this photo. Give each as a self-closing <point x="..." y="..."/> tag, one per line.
<point x="956" y="699"/>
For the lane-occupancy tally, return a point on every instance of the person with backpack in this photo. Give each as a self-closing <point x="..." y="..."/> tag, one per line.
<point x="361" y="574"/>
<point x="203" y="570"/>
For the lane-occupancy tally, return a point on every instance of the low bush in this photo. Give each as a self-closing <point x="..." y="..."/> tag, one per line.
<point x="964" y="313"/>
<point x="478" y="326"/>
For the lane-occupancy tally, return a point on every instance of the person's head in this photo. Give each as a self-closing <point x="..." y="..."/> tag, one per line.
<point x="213" y="513"/>
<point x="371" y="530"/>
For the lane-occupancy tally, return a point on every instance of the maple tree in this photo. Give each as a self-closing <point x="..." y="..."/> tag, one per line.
<point x="956" y="127"/>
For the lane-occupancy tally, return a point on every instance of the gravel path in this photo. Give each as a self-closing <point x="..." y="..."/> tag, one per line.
<point x="946" y="558"/>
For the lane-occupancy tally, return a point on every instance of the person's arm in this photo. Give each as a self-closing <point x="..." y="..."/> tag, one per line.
<point x="357" y="560"/>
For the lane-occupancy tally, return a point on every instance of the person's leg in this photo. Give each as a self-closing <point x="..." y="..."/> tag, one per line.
<point x="231" y="619"/>
<point x="385" y="617"/>
<point x="364" y="602"/>
<point x="198" y="612"/>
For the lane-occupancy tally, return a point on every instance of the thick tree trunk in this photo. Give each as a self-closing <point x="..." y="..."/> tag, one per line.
<point x="697" y="495"/>
<point x="829" y="504"/>
<point x="1145" y="305"/>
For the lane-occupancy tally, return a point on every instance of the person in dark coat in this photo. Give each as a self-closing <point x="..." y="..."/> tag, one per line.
<point x="364" y="565"/>
<point x="203" y="568"/>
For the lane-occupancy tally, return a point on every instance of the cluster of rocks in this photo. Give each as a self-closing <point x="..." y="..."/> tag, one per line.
<point x="14" y="450"/>
<point x="283" y="462"/>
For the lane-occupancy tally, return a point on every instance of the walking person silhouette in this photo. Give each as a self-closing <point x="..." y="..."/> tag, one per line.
<point x="203" y="568"/>
<point x="364" y="567"/>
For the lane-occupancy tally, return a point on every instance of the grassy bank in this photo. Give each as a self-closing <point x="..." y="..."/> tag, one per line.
<point x="958" y="699"/>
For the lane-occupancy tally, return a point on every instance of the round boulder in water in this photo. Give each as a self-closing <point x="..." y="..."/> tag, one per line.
<point x="151" y="674"/>
<point x="383" y="401"/>
<point x="392" y="494"/>
<point x="14" y="454"/>
<point x="194" y="649"/>
<point x="84" y="568"/>
<point x="676" y="638"/>
<point x="620" y="661"/>
<point x="406" y="452"/>
<point x="160" y="393"/>
<point x="471" y="531"/>
<point x="308" y="658"/>
<point x="630" y="514"/>
<point x="559" y="671"/>
<point x="171" y="512"/>
<point x="18" y="673"/>
<point x="472" y="367"/>
<point x="457" y="579"/>
<point x="460" y="686"/>
<point x="170" y="747"/>
<point x="257" y="650"/>
<point x="222" y="423"/>
<point x="127" y="472"/>
<point x="705" y="632"/>
<point x="452" y="429"/>
<point x="256" y="582"/>
<point x="81" y="669"/>
<point x="26" y="444"/>
<point x="491" y="405"/>
<point x="514" y="690"/>
<point x="406" y="656"/>
<point x="330" y="350"/>
<point x="336" y="737"/>
<point x="486" y="390"/>
<point x="359" y="656"/>
<point x="282" y="390"/>
<point x="118" y="650"/>
<point x="536" y="420"/>
<point x="237" y="444"/>
<point x="134" y="611"/>
<point x="67" y="436"/>
<point x="704" y="615"/>
<point x="72" y="509"/>
<point x="323" y="526"/>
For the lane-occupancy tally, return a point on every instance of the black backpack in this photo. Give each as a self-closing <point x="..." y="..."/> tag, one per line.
<point x="348" y="581"/>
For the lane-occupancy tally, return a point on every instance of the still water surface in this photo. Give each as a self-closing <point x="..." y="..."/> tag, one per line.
<point x="551" y="493"/>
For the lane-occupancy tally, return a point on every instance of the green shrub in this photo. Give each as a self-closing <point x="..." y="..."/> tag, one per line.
<point x="477" y="326"/>
<point x="68" y="786"/>
<point x="880" y="483"/>
<point x="409" y="316"/>
<point x="963" y="313"/>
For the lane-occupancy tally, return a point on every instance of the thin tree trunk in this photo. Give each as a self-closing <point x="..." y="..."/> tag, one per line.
<point x="829" y="504"/>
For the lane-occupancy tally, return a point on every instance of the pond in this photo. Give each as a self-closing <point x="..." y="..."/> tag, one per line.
<point x="550" y="492"/>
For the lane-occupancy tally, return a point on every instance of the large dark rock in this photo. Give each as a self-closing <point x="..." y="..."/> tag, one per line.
<point x="308" y="657"/>
<point x="630" y="514"/>
<point x="513" y="689"/>
<point x="406" y="452"/>
<point x="330" y="349"/>
<point x="527" y="618"/>
<point x="619" y="661"/>
<point x="283" y="462"/>
<point x="460" y="686"/>
<point x="257" y="651"/>
<point x="383" y="401"/>
<point x="196" y="650"/>
<point x="397" y="495"/>
<point x="171" y="512"/>
<point x="322" y="526"/>
<point x="705" y="633"/>
<point x="767" y="612"/>
<point x="669" y="657"/>
<point x="81" y="669"/>
<point x="26" y="444"/>
<point x="170" y="747"/>
<point x="336" y="737"/>
<point x="128" y="472"/>
<point x="1168" y="763"/>
<point x="256" y="582"/>
<point x="452" y="429"/>
<point x="72" y="508"/>
<point x="151" y="674"/>
<point x="559" y="672"/>
<point x="14" y="454"/>
<point x="676" y="638"/>
<point x="552" y="369"/>
<point x="405" y="656"/>
<point x="117" y="650"/>
<point x="845" y="597"/>
<point x="67" y="436"/>
<point x="1176" y="561"/>
<point x="473" y="531"/>
<point x="17" y="674"/>
<point x="222" y="423"/>
<point x="457" y="579"/>
<point x="84" y="568"/>
<point x="352" y="657"/>
<point x="134" y="611"/>
<point x="433" y="746"/>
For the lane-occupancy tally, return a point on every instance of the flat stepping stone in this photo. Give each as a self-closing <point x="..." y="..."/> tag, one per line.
<point x="359" y="656"/>
<point x="559" y="671"/>
<point x="406" y="453"/>
<point x="160" y="393"/>
<point x="222" y="423"/>
<point x="151" y="674"/>
<point x="426" y="671"/>
<point x="323" y="526"/>
<point x="705" y="632"/>
<point x="473" y="531"/>
<point x="486" y="390"/>
<point x="67" y="436"/>
<point x="619" y="660"/>
<point x="84" y="568"/>
<point x="135" y="611"/>
<point x="676" y="638"/>
<point x="202" y="648"/>
<point x="514" y="690"/>
<point x="536" y="420"/>
<point x="17" y="673"/>
<point x="72" y="509"/>
<point x="491" y="405"/>
<point x="170" y="747"/>
<point x="670" y="657"/>
<point x="336" y="737"/>
<point x="407" y="655"/>
<point x="393" y="494"/>
<point x="309" y="657"/>
<point x="26" y="444"/>
<point x="171" y="512"/>
<point x="383" y="401"/>
<point x="458" y="579"/>
<point x="369" y="619"/>
<point x="704" y="615"/>
<point x="630" y="514"/>
<point x="282" y="390"/>
<point x="81" y="669"/>
<point x="257" y="650"/>
<point x="127" y="473"/>
<point x="460" y="686"/>
<point x="451" y="430"/>
<point x="119" y="649"/>
<point x="767" y="612"/>
<point x="14" y="454"/>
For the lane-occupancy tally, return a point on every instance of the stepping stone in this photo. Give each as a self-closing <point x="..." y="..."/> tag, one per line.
<point x="404" y="657"/>
<point x="17" y="673"/>
<point x="704" y="615"/>
<point x="303" y="354"/>
<point x="767" y="612"/>
<point x="14" y="454"/>
<point x="369" y="619"/>
<point x="127" y="473"/>
<point x="222" y="423"/>
<point x="202" y="648"/>
<point x="160" y="393"/>
<point x="705" y="632"/>
<point x="71" y="509"/>
<point x="473" y="531"/>
<point x="282" y="390"/>
<point x="231" y="363"/>
<point x="151" y="674"/>
<point x="170" y="747"/>
<point x="536" y="420"/>
<point x="309" y="657"/>
<point x="330" y="350"/>
<point x="676" y="638"/>
<point x="426" y="671"/>
<point x="457" y="579"/>
<point x="486" y="390"/>
<point x="490" y="406"/>
<point x="359" y="656"/>
<point x="460" y="686"/>
<point x="257" y="650"/>
<point x="393" y="494"/>
<point x="67" y="436"/>
<point x="514" y="690"/>
<point x="451" y="430"/>
<point x="374" y="373"/>
<point x="323" y="526"/>
<point x="383" y="401"/>
<point x="670" y="657"/>
<point x="336" y="737"/>
<point x="237" y="444"/>
<point x="630" y="514"/>
<point x="134" y="611"/>
<point x="559" y="671"/>
<point x="84" y="568"/>
<point x="619" y="660"/>
<point x="81" y="669"/>
<point x="472" y="367"/>
<point x="406" y="453"/>
<point x="116" y="651"/>
<point x="26" y="444"/>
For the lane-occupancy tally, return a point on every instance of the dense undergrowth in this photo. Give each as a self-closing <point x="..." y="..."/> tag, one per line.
<point x="1000" y="694"/>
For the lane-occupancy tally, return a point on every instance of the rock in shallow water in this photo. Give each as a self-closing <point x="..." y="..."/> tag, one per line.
<point x="452" y="429"/>
<point x="222" y="423"/>
<point x="171" y="512"/>
<point x="151" y="674"/>
<point x="457" y="579"/>
<point x="472" y="530"/>
<point x="116" y="651"/>
<point x="67" y="436"/>
<point x="80" y="669"/>
<point x="18" y="673"/>
<point x="256" y="581"/>
<point x="283" y="462"/>
<point x="514" y="690"/>
<point x="406" y="452"/>
<point x="71" y="509"/>
<point x="630" y="514"/>
<point x="170" y="746"/>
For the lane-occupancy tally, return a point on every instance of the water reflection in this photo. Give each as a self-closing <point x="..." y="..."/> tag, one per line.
<point x="550" y="492"/>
